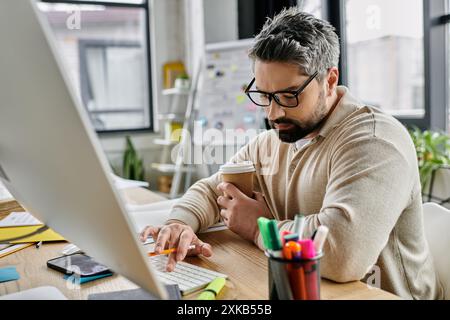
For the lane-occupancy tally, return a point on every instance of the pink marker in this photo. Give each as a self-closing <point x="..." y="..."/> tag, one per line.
<point x="308" y="251"/>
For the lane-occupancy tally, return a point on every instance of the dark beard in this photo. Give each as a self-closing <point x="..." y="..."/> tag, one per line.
<point x="301" y="130"/>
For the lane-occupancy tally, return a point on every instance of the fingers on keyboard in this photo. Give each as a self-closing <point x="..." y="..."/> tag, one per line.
<point x="189" y="277"/>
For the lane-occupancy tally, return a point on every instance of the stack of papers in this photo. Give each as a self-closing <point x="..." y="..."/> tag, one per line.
<point x="19" y="219"/>
<point x="7" y="249"/>
<point x="17" y="224"/>
<point x="17" y="232"/>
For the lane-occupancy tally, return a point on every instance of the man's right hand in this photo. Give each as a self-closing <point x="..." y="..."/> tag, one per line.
<point x="176" y="235"/>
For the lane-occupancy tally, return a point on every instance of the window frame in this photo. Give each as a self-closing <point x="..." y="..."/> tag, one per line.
<point x="436" y="77"/>
<point x="146" y="7"/>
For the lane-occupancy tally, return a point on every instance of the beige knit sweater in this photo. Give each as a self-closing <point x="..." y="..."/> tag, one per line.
<point x="359" y="177"/>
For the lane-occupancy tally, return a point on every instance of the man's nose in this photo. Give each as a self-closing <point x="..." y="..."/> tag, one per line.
<point x="274" y="111"/>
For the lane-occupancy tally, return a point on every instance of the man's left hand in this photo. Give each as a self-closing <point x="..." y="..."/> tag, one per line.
<point x="240" y="213"/>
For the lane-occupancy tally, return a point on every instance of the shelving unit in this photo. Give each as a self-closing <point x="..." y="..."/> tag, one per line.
<point x="172" y="119"/>
<point x="185" y="113"/>
<point x="175" y="91"/>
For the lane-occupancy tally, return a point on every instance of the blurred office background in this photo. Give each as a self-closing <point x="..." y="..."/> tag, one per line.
<point x="395" y="56"/>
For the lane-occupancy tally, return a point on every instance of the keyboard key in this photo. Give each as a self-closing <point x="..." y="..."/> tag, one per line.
<point x="189" y="277"/>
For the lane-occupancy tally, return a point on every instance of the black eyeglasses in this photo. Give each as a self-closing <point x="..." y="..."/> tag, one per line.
<point x="287" y="99"/>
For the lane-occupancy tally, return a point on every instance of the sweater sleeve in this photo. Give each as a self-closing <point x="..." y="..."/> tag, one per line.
<point x="370" y="184"/>
<point x="198" y="207"/>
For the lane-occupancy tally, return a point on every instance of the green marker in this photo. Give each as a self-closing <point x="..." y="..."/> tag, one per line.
<point x="271" y="236"/>
<point x="275" y="241"/>
<point x="212" y="290"/>
<point x="262" y="224"/>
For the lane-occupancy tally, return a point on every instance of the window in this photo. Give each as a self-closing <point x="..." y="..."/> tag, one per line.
<point x="385" y="54"/>
<point x="105" y="45"/>
<point x="313" y="7"/>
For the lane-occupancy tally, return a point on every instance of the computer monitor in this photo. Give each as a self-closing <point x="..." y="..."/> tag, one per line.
<point x="50" y="157"/>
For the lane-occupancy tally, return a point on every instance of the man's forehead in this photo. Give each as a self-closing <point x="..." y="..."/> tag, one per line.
<point x="271" y="82"/>
<point x="281" y="66"/>
<point x="279" y="74"/>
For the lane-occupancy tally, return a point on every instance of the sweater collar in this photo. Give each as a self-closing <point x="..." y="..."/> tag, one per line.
<point x="346" y="105"/>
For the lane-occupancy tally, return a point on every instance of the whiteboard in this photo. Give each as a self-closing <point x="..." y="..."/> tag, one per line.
<point x="221" y="101"/>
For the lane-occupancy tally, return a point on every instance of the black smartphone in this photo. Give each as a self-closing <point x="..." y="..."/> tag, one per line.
<point x="79" y="264"/>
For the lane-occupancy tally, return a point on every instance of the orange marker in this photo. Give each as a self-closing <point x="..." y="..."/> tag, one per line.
<point x="168" y="251"/>
<point x="284" y="233"/>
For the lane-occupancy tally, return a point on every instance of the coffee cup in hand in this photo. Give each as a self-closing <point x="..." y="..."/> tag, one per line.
<point x="239" y="174"/>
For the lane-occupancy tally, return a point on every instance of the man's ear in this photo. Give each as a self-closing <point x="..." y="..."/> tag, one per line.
<point x="332" y="80"/>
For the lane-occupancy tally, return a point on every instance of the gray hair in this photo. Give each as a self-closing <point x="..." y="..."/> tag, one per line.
<point x="299" y="38"/>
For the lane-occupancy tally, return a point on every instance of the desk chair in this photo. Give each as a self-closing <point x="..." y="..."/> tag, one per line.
<point x="437" y="226"/>
<point x="438" y="190"/>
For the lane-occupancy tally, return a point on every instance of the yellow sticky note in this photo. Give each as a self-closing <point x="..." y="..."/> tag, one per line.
<point x="240" y="99"/>
<point x="14" y="232"/>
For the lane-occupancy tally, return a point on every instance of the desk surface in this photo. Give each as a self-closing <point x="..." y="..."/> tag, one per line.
<point x="245" y="265"/>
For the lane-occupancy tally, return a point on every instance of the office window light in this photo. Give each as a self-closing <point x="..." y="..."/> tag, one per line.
<point x="105" y="45"/>
<point x="313" y="7"/>
<point x="385" y="54"/>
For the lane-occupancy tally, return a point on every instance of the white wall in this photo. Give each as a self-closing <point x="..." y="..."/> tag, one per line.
<point x="194" y="33"/>
<point x="167" y="40"/>
<point x="221" y="20"/>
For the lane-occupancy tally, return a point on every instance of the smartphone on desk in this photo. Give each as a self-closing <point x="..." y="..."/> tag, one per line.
<point x="79" y="264"/>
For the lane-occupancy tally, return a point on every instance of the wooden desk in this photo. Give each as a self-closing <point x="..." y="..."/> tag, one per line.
<point x="245" y="265"/>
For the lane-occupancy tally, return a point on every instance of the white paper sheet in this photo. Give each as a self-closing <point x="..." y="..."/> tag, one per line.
<point x="39" y="293"/>
<point x="4" y="193"/>
<point x="19" y="219"/>
<point x="12" y="248"/>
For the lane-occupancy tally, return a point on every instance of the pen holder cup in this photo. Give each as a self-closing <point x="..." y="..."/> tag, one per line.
<point x="294" y="280"/>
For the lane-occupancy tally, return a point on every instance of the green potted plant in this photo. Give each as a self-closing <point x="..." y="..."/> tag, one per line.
<point x="132" y="165"/>
<point x="182" y="82"/>
<point x="433" y="152"/>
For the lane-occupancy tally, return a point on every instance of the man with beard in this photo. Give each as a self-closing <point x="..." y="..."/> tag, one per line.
<point x="340" y="163"/>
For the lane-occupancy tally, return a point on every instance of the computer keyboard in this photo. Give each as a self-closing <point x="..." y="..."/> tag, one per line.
<point x="188" y="276"/>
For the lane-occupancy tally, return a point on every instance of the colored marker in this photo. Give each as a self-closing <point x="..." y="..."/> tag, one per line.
<point x="296" y="250"/>
<point x="309" y="275"/>
<point x="271" y="236"/>
<point x="292" y="251"/>
<point x="299" y="225"/>
<point x="291" y="237"/>
<point x="275" y="241"/>
<point x="212" y="290"/>
<point x="284" y="233"/>
<point x="262" y="225"/>
<point x="319" y="239"/>
<point x="287" y="253"/>
<point x="308" y="251"/>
